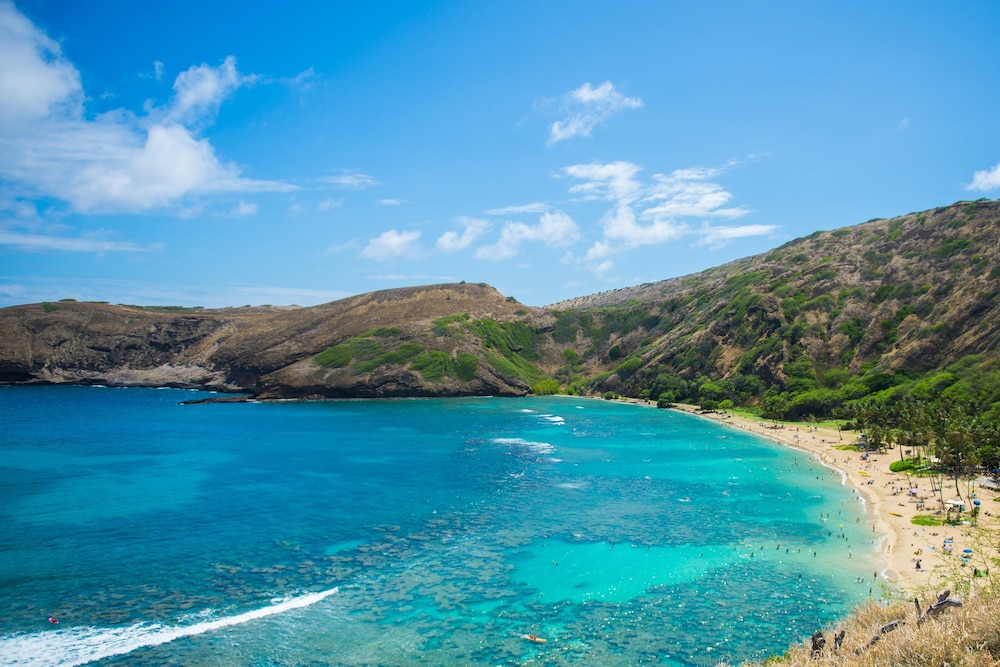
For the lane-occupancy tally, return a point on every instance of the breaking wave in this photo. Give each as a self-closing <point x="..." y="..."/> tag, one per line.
<point x="83" y="644"/>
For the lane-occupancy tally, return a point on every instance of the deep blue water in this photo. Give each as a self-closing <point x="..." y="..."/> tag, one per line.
<point x="408" y="532"/>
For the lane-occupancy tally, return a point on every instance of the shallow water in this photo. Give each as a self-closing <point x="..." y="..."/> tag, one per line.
<point x="408" y="532"/>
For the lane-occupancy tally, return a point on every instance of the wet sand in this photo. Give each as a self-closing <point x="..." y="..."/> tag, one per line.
<point x="892" y="505"/>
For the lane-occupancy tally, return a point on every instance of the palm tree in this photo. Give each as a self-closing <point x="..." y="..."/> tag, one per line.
<point x="955" y="436"/>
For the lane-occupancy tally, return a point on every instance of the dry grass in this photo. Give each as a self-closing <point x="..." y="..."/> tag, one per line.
<point x="966" y="636"/>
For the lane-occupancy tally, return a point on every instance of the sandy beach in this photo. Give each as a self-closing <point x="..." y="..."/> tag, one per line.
<point x="892" y="500"/>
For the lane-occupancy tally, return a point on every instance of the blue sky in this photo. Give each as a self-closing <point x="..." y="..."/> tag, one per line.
<point x="224" y="154"/>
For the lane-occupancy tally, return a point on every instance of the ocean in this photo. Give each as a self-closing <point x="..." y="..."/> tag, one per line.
<point x="409" y="532"/>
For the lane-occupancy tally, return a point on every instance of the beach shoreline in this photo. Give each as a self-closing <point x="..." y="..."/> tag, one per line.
<point x="891" y="507"/>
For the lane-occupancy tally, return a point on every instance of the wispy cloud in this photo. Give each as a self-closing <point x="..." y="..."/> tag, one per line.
<point x="689" y="193"/>
<point x="261" y="294"/>
<point x="28" y="289"/>
<point x="329" y="204"/>
<point x="391" y="244"/>
<point x="391" y="202"/>
<point x="717" y="237"/>
<point x="452" y="241"/>
<point x="303" y="81"/>
<point x="615" y="181"/>
<point x="586" y="107"/>
<point x="350" y="179"/>
<point x="43" y="242"/>
<point x="622" y="231"/>
<point x="342" y="247"/>
<point x="200" y="91"/>
<point x="115" y="162"/>
<point x="411" y="277"/>
<point x="244" y="210"/>
<point x="553" y="229"/>
<point x="534" y="207"/>
<point x="657" y="210"/>
<point x="602" y="269"/>
<point x="986" y="180"/>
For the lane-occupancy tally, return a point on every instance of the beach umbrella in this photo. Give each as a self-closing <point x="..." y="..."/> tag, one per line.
<point x="966" y="551"/>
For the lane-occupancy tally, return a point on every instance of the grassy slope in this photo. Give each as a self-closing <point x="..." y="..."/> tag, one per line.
<point x="967" y="636"/>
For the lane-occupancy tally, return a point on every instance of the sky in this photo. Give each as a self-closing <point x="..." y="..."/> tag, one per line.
<point x="242" y="153"/>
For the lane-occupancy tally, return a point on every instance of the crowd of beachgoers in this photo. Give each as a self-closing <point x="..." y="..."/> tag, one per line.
<point x="917" y="558"/>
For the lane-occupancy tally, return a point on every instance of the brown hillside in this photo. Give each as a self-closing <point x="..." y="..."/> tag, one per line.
<point x="264" y="351"/>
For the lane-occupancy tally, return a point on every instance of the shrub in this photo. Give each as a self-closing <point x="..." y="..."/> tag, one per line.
<point x="466" y="366"/>
<point x="337" y="356"/>
<point x="545" y="388"/>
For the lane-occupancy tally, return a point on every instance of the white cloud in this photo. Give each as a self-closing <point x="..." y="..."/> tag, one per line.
<point x="199" y="92"/>
<point x="303" y="80"/>
<point x="416" y="278"/>
<point x="342" y="247"/>
<point x="394" y="277"/>
<point x="115" y="162"/>
<point x="600" y="250"/>
<point x="986" y="180"/>
<point x="586" y="107"/>
<point x="328" y="204"/>
<point x="553" y="229"/>
<point x="602" y="269"/>
<point x="656" y="212"/>
<point x="285" y="295"/>
<point x="686" y="192"/>
<point x="620" y="226"/>
<point x="534" y="207"/>
<point x="169" y="165"/>
<point x="350" y="180"/>
<point x="391" y="244"/>
<point x="391" y="202"/>
<point x="42" y="242"/>
<point x="717" y="237"/>
<point x="217" y="295"/>
<point x="612" y="180"/>
<point x="451" y="240"/>
<point x="35" y="79"/>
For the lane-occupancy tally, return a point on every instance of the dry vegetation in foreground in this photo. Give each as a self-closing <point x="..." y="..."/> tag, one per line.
<point x="966" y="636"/>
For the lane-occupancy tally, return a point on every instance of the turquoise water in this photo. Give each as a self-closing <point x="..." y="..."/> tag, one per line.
<point x="408" y="532"/>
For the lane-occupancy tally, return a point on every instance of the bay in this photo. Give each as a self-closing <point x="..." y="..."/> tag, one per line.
<point x="408" y="532"/>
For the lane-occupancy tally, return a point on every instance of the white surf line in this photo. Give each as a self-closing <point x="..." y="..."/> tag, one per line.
<point x="80" y="645"/>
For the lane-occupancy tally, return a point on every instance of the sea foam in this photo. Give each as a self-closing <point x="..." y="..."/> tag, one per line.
<point x="520" y="443"/>
<point x="83" y="644"/>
